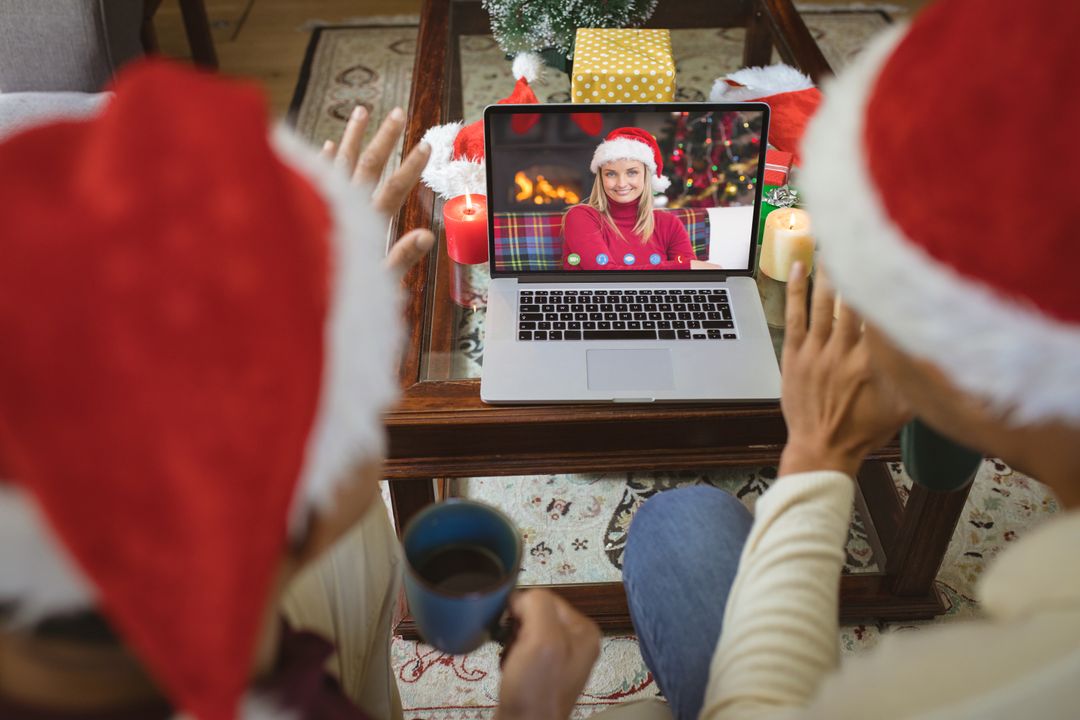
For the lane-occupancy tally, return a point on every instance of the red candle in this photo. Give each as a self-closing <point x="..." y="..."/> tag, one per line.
<point x="465" y="220"/>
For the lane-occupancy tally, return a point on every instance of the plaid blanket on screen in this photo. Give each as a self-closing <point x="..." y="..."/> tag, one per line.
<point x="528" y="241"/>
<point x="696" y="221"/>
<point x="533" y="241"/>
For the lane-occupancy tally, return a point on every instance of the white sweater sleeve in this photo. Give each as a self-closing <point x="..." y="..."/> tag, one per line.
<point x="779" y="636"/>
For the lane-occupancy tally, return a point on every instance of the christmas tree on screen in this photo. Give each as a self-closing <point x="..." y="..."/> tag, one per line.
<point x="711" y="158"/>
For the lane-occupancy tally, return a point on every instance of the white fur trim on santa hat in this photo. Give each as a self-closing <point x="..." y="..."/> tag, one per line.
<point x="527" y="65"/>
<point x="256" y="705"/>
<point x="1023" y="363"/>
<point x="448" y="177"/>
<point x="621" y="148"/>
<point x="36" y="571"/>
<point x="759" y="82"/>
<point x="363" y="335"/>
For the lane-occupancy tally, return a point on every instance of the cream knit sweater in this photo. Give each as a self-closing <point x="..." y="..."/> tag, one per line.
<point x="778" y="653"/>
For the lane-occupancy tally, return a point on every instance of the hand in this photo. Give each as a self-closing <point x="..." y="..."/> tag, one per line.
<point x="545" y="669"/>
<point x="836" y="407"/>
<point x="702" y="265"/>
<point x="366" y="166"/>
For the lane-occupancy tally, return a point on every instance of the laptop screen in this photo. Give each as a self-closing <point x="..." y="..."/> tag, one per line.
<point x="620" y="188"/>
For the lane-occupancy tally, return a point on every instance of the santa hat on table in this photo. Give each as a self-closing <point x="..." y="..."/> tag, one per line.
<point x="188" y="304"/>
<point x="791" y="96"/>
<point x="456" y="165"/>
<point x="925" y="228"/>
<point x="631" y="143"/>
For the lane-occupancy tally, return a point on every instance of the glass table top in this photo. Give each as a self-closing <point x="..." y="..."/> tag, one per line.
<point x="454" y="340"/>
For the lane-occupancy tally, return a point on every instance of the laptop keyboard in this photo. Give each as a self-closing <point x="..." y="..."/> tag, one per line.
<point x="625" y="314"/>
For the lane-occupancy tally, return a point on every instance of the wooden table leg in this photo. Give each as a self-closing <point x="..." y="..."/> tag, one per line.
<point x="930" y="518"/>
<point x="758" y="47"/>
<point x="408" y="497"/>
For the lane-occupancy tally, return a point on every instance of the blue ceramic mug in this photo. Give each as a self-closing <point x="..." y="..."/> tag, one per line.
<point x="462" y="561"/>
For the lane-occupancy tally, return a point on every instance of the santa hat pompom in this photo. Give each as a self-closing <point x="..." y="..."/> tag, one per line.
<point x="528" y="66"/>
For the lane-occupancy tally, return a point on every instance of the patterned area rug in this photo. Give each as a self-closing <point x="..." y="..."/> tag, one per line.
<point x="574" y="528"/>
<point x="575" y="525"/>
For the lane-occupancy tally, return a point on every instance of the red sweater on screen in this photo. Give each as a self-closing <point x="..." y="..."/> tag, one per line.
<point x="592" y="238"/>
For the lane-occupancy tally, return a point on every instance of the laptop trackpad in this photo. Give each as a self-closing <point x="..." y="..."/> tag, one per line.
<point x="630" y="369"/>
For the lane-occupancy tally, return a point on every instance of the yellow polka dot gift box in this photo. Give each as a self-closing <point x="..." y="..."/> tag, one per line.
<point x="620" y="65"/>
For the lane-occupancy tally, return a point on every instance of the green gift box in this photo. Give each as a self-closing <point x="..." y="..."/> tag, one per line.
<point x="766" y="208"/>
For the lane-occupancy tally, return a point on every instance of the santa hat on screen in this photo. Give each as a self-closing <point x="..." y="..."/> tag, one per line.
<point x="187" y="367"/>
<point x="967" y="266"/>
<point x="456" y="165"/>
<point x="631" y="143"/>
<point x="791" y="96"/>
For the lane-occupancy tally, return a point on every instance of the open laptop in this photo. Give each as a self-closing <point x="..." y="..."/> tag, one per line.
<point x="569" y="320"/>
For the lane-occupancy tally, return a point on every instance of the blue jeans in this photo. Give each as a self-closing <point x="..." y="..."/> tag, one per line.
<point x="680" y="560"/>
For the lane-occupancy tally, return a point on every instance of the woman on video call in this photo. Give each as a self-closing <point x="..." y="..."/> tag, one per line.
<point x="617" y="227"/>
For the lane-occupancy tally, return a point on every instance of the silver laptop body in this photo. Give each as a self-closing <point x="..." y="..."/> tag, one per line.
<point x="567" y="336"/>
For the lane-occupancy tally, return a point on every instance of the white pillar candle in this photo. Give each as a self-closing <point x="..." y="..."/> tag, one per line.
<point x="786" y="240"/>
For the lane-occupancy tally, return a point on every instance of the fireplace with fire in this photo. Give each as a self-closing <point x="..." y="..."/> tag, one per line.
<point x="546" y="187"/>
<point x="542" y="167"/>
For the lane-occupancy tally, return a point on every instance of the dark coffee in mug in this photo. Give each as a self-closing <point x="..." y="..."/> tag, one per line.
<point x="462" y="560"/>
<point x="462" y="569"/>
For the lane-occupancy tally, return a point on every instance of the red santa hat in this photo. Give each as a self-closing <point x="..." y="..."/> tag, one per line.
<point x="970" y="267"/>
<point x="456" y="165"/>
<point x="791" y="96"/>
<point x="198" y="341"/>
<point x="631" y="143"/>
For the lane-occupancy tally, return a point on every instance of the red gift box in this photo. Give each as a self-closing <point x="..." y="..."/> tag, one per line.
<point x="777" y="167"/>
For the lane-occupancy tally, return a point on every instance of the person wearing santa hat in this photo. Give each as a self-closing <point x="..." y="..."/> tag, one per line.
<point x="969" y="296"/>
<point x="199" y="330"/>
<point x="618" y="227"/>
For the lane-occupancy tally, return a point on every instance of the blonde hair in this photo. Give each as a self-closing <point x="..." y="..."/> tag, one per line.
<point x="598" y="200"/>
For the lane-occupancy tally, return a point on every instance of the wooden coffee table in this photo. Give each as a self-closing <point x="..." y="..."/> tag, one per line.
<point x="442" y="430"/>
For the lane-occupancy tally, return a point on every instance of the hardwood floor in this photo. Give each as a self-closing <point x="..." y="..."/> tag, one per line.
<point x="265" y="39"/>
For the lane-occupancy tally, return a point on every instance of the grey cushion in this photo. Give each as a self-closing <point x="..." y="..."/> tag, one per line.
<point x="19" y="111"/>
<point x="66" y="45"/>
